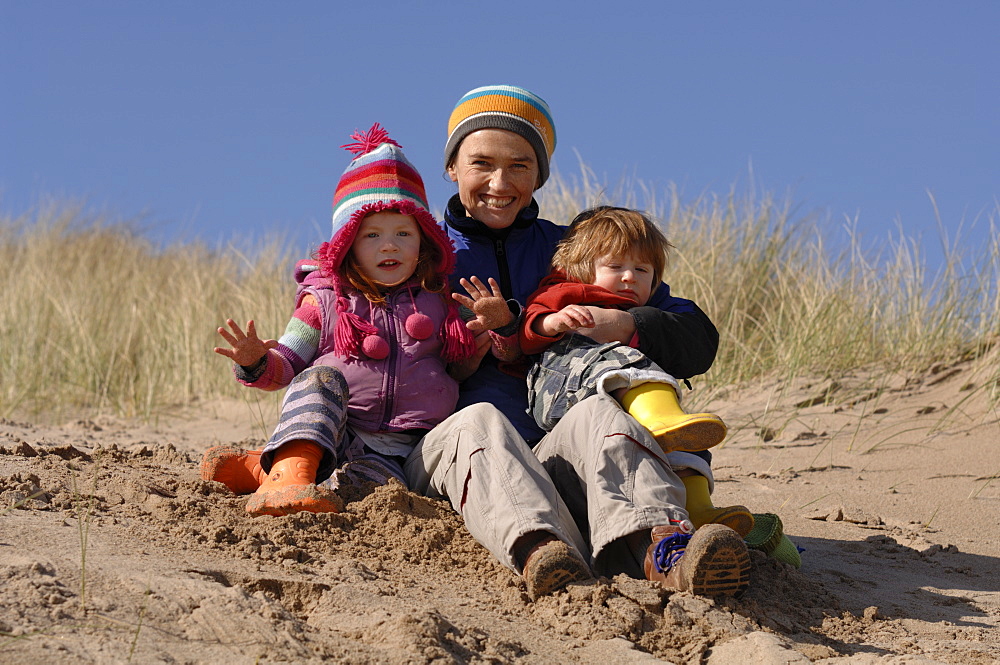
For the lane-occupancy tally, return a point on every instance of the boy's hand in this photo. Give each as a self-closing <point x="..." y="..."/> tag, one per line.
<point x="570" y="317"/>
<point x="247" y="349"/>
<point x="487" y="304"/>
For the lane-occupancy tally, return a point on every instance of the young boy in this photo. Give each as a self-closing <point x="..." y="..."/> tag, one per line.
<point x="614" y="257"/>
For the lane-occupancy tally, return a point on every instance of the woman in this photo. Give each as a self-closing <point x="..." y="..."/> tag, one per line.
<point x="595" y="493"/>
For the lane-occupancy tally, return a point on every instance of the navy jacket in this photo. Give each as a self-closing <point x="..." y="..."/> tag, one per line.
<point x="673" y="332"/>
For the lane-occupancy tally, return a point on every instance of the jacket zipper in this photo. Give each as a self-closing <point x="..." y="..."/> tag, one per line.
<point x="391" y="367"/>
<point x="499" y="249"/>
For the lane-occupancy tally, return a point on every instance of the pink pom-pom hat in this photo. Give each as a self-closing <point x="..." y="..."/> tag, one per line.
<point x="381" y="178"/>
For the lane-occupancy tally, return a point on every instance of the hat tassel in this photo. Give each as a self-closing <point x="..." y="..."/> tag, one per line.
<point x="350" y="331"/>
<point x="458" y="342"/>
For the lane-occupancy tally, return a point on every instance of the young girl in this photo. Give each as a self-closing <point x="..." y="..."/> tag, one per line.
<point x="614" y="257"/>
<point x="365" y="354"/>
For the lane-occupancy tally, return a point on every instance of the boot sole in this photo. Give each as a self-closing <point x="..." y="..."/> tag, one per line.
<point x="692" y="435"/>
<point x="719" y="562"/>
<point x="552" y="568"/>
<point x="227" y="465"/>
<point x="294" y="499"/>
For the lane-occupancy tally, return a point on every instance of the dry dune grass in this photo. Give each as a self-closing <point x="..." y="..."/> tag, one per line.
<point x="96" y="317"/>
<point x="861" y="394"/>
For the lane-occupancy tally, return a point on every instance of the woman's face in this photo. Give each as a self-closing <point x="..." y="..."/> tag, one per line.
<point x="496" y="172"/>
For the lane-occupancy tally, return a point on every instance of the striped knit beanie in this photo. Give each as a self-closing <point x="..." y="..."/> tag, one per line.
<point x="381" y="178"/>
<point x="378" y="175"/>
<point x="504" y="107"/>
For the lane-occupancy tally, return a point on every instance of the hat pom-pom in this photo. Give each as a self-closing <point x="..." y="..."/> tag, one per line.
<point x="419" y="326"/>
<point x="375" y="347"/>
<point x="365" y="142"/>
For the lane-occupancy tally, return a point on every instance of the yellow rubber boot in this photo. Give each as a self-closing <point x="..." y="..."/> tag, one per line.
<point x="701" y="511"/>
<point x="656" y="407"/>
<point x="290" y="487"/>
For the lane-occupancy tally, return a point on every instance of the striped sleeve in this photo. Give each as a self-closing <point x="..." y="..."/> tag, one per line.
<point x="296" y="348"/>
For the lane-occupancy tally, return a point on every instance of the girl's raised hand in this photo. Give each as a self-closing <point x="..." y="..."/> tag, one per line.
<point x="247" y="349"/>
<point x="487" y="303"/>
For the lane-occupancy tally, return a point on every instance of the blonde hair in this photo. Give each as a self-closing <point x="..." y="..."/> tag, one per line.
<point x="610" y="231"/>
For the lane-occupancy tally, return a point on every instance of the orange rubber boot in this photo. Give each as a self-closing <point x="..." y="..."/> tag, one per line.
<point x="237" y="469"/>
<point x="291" y="485"/>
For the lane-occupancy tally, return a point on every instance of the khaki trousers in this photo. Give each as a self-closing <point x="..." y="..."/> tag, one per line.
<point x="597" y="477"/>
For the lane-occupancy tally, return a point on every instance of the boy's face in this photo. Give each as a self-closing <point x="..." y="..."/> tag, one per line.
<point x="387" y="247"/>
<point x="625" y="276"/>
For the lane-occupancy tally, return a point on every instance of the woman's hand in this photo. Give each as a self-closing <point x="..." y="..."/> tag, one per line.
<point x="463" y="369"/>
<point x="247" y="349"/>
<point x="487" y="304"/>
<point x="610" y="325"/>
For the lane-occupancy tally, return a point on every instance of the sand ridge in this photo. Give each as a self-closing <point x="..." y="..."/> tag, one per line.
<point x="112" y="549"/>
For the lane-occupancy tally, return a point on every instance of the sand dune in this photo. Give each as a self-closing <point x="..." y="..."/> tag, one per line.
<point x="113" y="550"/>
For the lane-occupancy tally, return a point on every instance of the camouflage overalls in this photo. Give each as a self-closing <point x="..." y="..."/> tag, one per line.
<point x="576" y="367"/>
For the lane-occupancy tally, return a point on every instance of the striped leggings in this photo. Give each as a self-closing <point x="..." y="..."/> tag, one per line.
<point x="315" y="409"/>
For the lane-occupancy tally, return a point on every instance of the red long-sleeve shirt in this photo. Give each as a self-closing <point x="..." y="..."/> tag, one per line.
<point x="555" y="292"/>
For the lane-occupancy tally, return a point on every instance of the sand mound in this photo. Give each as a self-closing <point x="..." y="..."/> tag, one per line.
<point x="113" y="550"/>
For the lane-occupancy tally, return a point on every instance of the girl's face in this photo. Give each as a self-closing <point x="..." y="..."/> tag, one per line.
<point x="496" y="172"/>
<point x="625" y="276"/>
<point x="387" y="246"/>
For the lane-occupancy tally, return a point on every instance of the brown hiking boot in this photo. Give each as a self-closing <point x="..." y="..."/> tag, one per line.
<point x="291" y="485"/>
<point x="714" y="561"/>
<point x="551" y="566"/>
<point x="237" y="469"/>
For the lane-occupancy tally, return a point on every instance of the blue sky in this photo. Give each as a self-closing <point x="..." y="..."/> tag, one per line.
<point x="224" y="119"/>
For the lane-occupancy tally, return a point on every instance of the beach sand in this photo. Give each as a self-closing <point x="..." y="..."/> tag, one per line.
<point x="113" y="550"/>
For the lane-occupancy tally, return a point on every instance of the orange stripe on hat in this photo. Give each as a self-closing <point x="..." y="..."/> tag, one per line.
<point x="504" y="107"/>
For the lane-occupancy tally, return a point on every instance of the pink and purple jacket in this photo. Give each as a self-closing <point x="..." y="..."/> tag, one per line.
<point x="408" y="389"/>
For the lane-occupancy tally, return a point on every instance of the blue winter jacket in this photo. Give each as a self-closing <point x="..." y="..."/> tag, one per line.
<point x="673" y="332"/>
